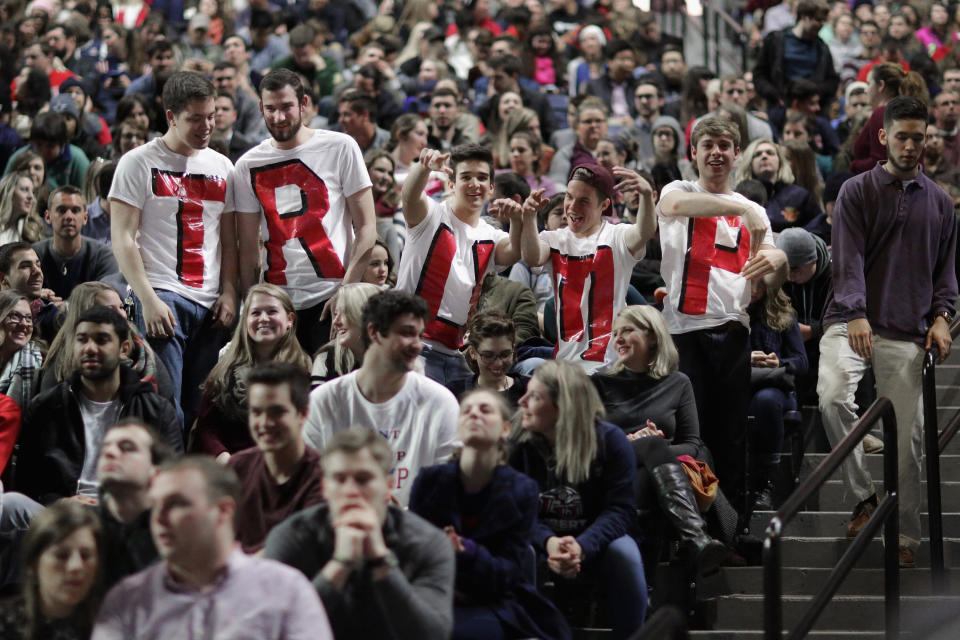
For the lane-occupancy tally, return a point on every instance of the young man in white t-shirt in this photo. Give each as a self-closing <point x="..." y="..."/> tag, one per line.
<point x="415" y="414"/>
<point x="591" y="259"/>
<point x="714" y="243"/>
<point x="174" y="239"/>
<point x="308" y="194"/>
<point x="450" y="249"/>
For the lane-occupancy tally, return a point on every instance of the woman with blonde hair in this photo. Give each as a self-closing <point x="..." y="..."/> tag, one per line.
<point x="408" y="137"/>
<point x="19" y="219"/>
<point x="803" y="162"/>
<point x="578" y="460"/>
<point x="522" y="119"/>
<point x="646" y="395"/>
<point x="344" y="352"/>
<point x="60" y="363"/>
<point x="20" y="355"/>
<point x="788" y="204"/>
<point x="267" y="331"/>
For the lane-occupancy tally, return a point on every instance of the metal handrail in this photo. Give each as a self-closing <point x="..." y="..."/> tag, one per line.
<point x="710" y="33"/>
<point x="934" y="443"/>
<point x="885" y="515"/>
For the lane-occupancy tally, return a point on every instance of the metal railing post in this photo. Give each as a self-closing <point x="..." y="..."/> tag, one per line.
<point x="773" y="598"/>
<point x="716" y="41"/>
<point x="706" y="34"/>
<point x="932" y="452"/>
<point x="891" y="529"/>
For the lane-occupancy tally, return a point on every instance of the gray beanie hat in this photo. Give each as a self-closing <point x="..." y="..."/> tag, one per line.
<point x="799" y="246"/>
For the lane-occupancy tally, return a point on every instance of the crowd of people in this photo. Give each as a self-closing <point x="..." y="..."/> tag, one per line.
<point x="445" y="319"/>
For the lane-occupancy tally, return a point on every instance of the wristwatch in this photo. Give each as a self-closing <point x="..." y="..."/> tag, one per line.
<point x="945" y="315"/>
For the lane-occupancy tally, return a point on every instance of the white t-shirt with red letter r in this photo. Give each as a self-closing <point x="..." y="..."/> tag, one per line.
<point x="181" y="199"/>
<point x="702" y="260"/>
<point x="301" y="194"/>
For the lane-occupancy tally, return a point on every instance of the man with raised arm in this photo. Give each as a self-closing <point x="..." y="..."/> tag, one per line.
<point x="592" y="259"/>
<point x="450" y="249"/>
<point x="714" y="243"/>
<point x="307" y="193"/>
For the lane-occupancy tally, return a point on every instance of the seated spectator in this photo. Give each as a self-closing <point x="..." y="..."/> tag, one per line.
<point x="787" y="205"/>
<point x="516" y="300"/>
<point x="266" y="47"/>
<point x="408" y="137"/>
<point x="809" y="283"/>
<point x="589" y="248"/>
<point x="60" y="363"/>
<point x="249" y="121"/>
<point x="487" y="510"/>
<point x="135" y="106"/>
<point x="280" y="475"/>
<point x="68" y="258"/>
<point x="415" y="414"/>
<point x="386" y="200"/>
<point x="196" y="46"/>
<point x="358" y="119"/>
<point x="320" y="70"/>
<point x="444" y="133"/>
<point x="584" y="469"/>
<point x="63" y="427"/>
<point x="225" y="119"/>
<point x="646" y="395"/>
<point x="491" y="345"/>
<point x="61" y="579"/>
<point x="505" y="72"/>
<point x="267" y="331"/>
<point x="803" y="97"/>
<point x="66" y="106"/>
<point x="733" y="93"/>
<point x="192" y="520"/>
<point x="669" y="161"/>
<point x="590" y="43"/>
<point x="937" y="167"/>
<point x="20" y="355"/>
<point x="344" y="352"/>
<point x="940" y="34"/>
<point x="539" y="280"/>
<point x="19" y="220"/>
<point x="160" y="54"/>
<point x="130" y="455"/>
<point x="30" y="162"/>
<point x="97" y="226"/>
<point x="590" y="125"/>
<point x="131" y="133"/>
<point x="856" y="104"/>
<point x="49" y="138"/>
<point x="776" y="354"/>
<point x="20" y="272"/>
<point x="380" y="269"/>
<point x="525" y="154"/>
<point x="380" y="571"/>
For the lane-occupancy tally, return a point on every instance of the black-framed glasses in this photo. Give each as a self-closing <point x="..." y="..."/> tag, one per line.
<point x="489" y="357"/>
<point x="18" y="318"/>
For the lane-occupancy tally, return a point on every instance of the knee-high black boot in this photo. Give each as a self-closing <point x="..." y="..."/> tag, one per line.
<point x="679" y="505"/>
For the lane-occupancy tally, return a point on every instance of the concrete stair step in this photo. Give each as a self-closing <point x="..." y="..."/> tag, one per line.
<point x="843" y="612"/>
<point x="832" y="524"/>
<point x="834" y="496"/>
<point x="949" y="465"/>
<point x="753" y="634"/>
<point x="807" y="581"/>
<point x="826" y="552"/>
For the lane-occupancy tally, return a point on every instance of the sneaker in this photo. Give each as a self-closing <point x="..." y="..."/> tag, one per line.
<point x="861" y="514"/>
<point x="872" y="444"/>
<point x="907" y="558"/>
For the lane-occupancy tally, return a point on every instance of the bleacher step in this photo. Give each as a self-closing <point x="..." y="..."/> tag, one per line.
<point x="825" y="552"/>
<point x="832" y="524"/>
<point x="834" y="496"/>
<point x="806" y="581"/>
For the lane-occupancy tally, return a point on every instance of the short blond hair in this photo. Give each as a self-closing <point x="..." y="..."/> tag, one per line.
<point x="647" y="318"/>
<point x="717" y="127"/>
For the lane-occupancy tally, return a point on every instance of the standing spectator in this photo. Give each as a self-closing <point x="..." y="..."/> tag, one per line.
<point x="280" y="475"/>
<point x="797" y="52"/>
<point x="380" y="571"/>
<point x="584" y="469"/>
<point x="192" y="521"/>
<point x="470" y="498"/>
<point x="616" y="86"/>
<point x="416" y="415"/>
<point x="68" y="258"/>
<point x="729" y="242"/>
<point x="266" y="333"/>
<point x="307" y="193"/>
<point x="183" y="271"/>
<point x="876" y="256"/>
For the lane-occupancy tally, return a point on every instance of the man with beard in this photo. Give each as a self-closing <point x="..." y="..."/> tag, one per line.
<point x="894" y="289"/>
<point x="309" y="191"/>
<point x="62" y="38"/>
<point x="416" y="415"/>
<point x="444" y="109"/>
<point x="174" y="241"/>
<point x="673" y="68"/>
<point x="937" y="168"/>
<point x="68" y="258"/>
<point x="63" y="428"/>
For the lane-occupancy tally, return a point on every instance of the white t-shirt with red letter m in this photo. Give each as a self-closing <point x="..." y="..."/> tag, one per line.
<point x="181" y="199"/>
<point x="301" y="194"/>
<point x="702" y="260"/>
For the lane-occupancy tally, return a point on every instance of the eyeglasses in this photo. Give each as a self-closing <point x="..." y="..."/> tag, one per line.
<point x="489" y="357"/>
<point x="18" y="318"/>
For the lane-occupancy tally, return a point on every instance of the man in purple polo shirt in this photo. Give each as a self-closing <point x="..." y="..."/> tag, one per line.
<point x="894" y="241"/>
<point x="206" y="587"/>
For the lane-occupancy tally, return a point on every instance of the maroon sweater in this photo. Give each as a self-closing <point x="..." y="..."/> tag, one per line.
<point x="264" y="503"/>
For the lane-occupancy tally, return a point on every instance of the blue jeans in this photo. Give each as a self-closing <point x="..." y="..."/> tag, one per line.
<point x="16" y="513"/>
<point x="767" y="407"/>
<point x="445" y="369"/>
<point x="190" y="354"/>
